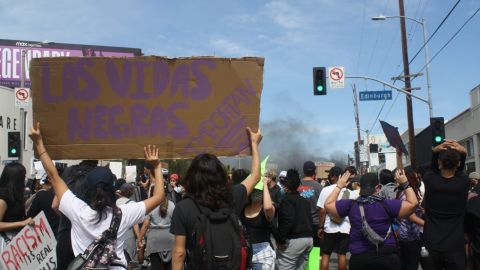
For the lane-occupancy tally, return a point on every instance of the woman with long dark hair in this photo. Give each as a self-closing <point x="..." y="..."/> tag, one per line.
<point x="256" y="217"/>
<point x="159" y="240"/>
<point x="207" y="188"/>
<point x="409" y="228"/>
<point x="12" y="204"/>
<point x="91" y="218"/>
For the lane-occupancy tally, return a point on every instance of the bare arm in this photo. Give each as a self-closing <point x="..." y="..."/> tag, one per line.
<point x="179" y="252"/>
<point x="151" y="155"/>
<point x="144" y="229"/>
<point x="322" y="216"/>
<point x="330" y="204"/>
<point x="8" y="226"/>
<point x="56" y="205"/>
<point x="410" y="203"/>
<point x="254" y="176"/>
<point x="58" y="184"/>
<point x="136" y="231"/>
<point x="268" y="207"/>
<point x="416" y="219"/>
<point x="399" y="159"/>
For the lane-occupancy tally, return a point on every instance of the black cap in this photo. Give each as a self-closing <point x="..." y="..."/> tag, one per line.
<point x="368" y="184"/>
<point x="309" y="167"/>
<point x="335" y="171"/>
<point x="100" y="175"/>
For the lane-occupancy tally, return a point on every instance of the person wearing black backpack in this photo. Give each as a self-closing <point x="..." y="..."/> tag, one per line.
<point x="98" y="225"/>
<point x="208" y="232"/>
<point x="372" y="241"/>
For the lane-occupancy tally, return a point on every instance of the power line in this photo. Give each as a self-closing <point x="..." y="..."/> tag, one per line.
<point x="434" y="32"/>
<point x="431" y="36"/>
<point x="361" y="35"/>
<point x="448" y="42"/>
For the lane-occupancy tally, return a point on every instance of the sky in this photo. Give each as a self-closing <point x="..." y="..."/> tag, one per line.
<point x="293" y="37"/>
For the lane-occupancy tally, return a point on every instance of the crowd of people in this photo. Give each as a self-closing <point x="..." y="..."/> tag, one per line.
<point x="210" y="219"/>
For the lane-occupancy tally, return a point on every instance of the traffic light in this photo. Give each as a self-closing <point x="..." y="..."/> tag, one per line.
<point x="438" y="130"/>
<point x="319" y="81"/>
<point x="14" y="144"/>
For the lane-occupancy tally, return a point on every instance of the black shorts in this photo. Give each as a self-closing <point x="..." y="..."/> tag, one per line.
<point x="316" y="240"/>
<point x="335" y="242"/>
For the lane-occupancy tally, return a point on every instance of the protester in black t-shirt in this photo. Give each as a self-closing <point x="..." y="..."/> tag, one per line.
<point x="207" y="184"/>
<point x="43" y="202"/>
<point x="295" y="226"/>
<point x="446" y="189"/>
<point x="256" y="217"/>
<point x="472" y="228"/>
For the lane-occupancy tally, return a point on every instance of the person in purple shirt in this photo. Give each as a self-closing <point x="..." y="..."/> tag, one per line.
<point x="379" y="214"/>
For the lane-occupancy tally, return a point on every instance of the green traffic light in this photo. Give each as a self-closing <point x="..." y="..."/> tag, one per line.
<point x="320" y="88"/>
<point x="13" y="151"/>
<point x="438" y="139"/>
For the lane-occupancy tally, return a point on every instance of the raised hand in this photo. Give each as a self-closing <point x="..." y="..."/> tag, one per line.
<point x="343" y="181"/>
<point x="35" y="134"/>
<point x="255" y="137"/>
<point x="151" y="154"/>
<point x="400" y="176"/>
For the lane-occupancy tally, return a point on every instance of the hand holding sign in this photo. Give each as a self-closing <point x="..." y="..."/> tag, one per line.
<point x="255" y="137"/>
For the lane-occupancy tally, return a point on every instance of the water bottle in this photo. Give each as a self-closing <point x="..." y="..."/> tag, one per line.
<point x="424" y="252"/>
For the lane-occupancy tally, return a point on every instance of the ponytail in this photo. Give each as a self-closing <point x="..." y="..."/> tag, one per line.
<point x="100" y="199"/>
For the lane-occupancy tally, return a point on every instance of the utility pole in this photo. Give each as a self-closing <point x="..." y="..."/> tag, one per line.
<point x="357" y="122"/>
<point x="406" y="73"/>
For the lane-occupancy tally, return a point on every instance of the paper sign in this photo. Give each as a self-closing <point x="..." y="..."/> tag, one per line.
<point x="110" y="108"/>
<point x="393" y="136"/>
<point x="32" y="248"/>
<point x="116" y="168"/>
<point x="263" y="170"/>
<point x="130" y="174"/>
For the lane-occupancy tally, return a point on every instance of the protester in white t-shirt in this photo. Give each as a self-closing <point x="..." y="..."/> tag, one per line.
<point x="334" y="233"/>
<point x="90" y="220"/>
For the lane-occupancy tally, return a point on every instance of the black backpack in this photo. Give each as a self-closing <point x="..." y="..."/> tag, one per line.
<point x="219" y="241"/>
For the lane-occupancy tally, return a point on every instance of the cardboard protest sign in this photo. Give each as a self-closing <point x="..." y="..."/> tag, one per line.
<point x="393" y="136"/>
<point x="109" y="108"/>
<point x="32" y="248"/>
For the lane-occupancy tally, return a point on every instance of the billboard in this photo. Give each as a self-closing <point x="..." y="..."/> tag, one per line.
<point x="11" y="56"/>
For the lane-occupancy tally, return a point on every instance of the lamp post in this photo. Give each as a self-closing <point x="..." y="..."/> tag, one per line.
<point x="423" y="23"/>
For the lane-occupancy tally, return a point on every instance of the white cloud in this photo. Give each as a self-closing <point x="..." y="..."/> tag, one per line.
<point x="246" y="18"/>
<point x="285" y="15"/>
<point x="230" y="47"/>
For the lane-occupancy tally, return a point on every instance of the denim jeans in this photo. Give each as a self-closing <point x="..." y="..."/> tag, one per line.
<point x="257" y="248"/>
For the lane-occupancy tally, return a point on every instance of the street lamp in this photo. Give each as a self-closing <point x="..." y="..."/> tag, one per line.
<point x="427" y="65"/>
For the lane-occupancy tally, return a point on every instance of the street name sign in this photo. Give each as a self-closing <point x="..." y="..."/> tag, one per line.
<point x="375" y="95"/>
